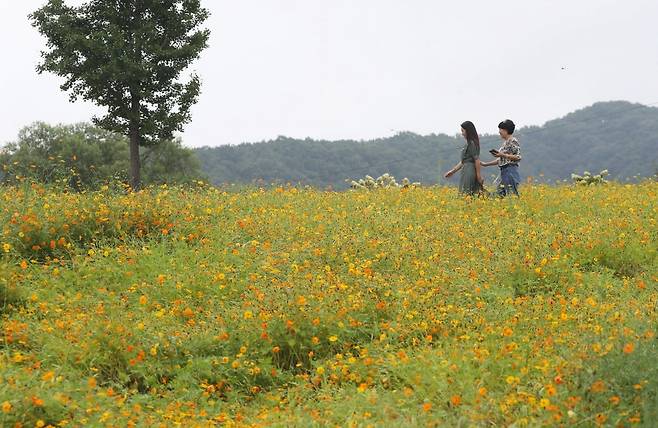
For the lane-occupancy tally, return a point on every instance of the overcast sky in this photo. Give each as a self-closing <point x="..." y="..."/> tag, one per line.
<point x="362" y="69"/>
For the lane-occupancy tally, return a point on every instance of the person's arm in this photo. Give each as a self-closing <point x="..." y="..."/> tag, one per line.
<point x="478" y="171"/>
<point x="490" y="163"/>
<point x="453" y="170"/>
<point x="513" y="158"/>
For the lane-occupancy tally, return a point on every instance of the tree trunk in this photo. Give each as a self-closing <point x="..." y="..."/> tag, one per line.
<point x="135" y="165"/>
<point x="135" y="122"/>
<point x="134" y="158"/>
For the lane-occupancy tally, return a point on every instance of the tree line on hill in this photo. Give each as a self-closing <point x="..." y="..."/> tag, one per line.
<point x="618" y="136"/>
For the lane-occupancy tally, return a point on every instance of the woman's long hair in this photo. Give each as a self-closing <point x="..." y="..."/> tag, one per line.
<point x="471" y="133"/>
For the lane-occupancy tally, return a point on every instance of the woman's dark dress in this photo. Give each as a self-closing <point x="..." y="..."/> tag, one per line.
<point x="468" y="183"/>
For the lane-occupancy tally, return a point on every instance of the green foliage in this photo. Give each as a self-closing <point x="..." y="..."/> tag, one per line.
<point x="630" y="377"/>
<point x="84" y="156"/>
<point x="128" y="57"/>
<point x="547" y="277"/>
<point x="622" y="259"/>
<point x="80" y="155"/>
<point x="619" y="136"/>
<point x="10" y="295"/>
<point x="170" y="163"/>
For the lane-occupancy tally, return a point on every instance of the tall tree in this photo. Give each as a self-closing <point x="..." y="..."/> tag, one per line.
<point x="127" y="56"/>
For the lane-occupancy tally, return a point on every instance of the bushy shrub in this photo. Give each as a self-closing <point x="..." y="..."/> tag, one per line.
<point x="386" y="181"/>
<point x="587" y="179"/>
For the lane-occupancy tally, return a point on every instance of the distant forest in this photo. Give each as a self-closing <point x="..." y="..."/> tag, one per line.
<point x="618" y="136"/>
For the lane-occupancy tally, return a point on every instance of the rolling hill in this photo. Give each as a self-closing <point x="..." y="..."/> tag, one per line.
<point x="619" y="136"/>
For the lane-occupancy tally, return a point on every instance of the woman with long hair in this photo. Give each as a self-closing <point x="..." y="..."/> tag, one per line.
<point x="470" y="182"/>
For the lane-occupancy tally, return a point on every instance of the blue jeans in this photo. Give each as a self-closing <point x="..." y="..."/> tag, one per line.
<point x="509" y="181"/>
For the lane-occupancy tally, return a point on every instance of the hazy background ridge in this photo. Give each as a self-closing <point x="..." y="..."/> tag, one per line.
<point x="619" y="136"/>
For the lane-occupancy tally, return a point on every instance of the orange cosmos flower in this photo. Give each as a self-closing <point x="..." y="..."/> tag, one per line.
<point x="598" y="386"/>
<point x="601" y="418"/>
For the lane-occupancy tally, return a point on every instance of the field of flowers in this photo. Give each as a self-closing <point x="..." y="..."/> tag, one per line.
<point x="292" y="307"/>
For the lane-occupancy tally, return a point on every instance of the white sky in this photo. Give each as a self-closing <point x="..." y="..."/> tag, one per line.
<point x="367" y="68"/>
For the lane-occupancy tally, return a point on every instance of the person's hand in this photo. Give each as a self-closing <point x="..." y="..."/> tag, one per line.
<point x="480" y="180"/>
<point x="449" y="174"/>
<point x="498" y="155"/>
